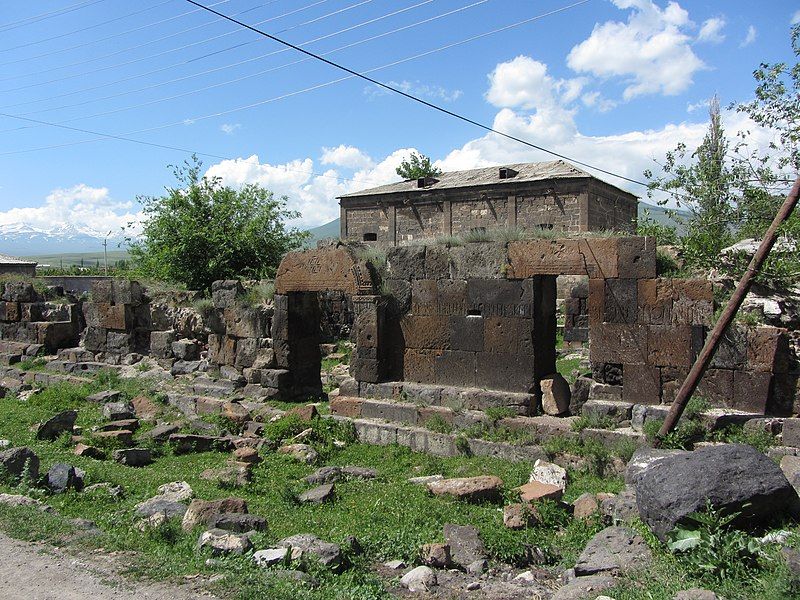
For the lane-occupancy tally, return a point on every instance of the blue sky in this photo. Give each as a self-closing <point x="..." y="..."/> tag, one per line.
<point x="614" y="83"/>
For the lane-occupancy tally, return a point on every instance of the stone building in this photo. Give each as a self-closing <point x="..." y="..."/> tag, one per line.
<point x="548" y="195"/>
<point x="16" y="266"/>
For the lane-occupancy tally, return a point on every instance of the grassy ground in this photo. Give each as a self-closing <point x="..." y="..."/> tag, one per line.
<point x="390" y="517"/>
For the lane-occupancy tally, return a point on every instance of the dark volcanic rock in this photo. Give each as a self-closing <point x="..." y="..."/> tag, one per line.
<point x="238" y="522"/>
<point x="56" y="425"/>
<point x="62" y="477"/>
<point x="733" y="477"/>
<point x="19" y="462"/>
<point x="611" y="551"/>
<point x="465" y="542"/>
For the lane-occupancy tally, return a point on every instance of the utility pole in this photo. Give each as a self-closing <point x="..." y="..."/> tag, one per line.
<point x="707" y="353"/>
<point x="105" y="251"/>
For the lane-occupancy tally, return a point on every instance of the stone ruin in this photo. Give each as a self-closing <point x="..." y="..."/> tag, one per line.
<point x="437" y="331"/>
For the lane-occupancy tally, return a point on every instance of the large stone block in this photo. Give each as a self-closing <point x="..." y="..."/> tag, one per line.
<point x="768" y="350"/>
<point x="617" y="343"/>
<point x="732" y="350"/>
<point x="466" y="333"/>
<point x="9" y="311"/>
<point x="118" y="342"/>
<point x="406" y="262"/>
<point x="675" y="302"/>
<point x="426" y="332"/>
<point x="437" y="262"/>
<point x="19" y="291"/>
<point x="716" y="386"/>
<point x="478" y="261"/>
<point x="111" y="316"/>
<point x="455" y="368"/>
<point x="247" y="322"/>
<point x="94" y="339"/>
<point x="418" y="365"/>
<point x="507" y="371"/>
<point x="55" y="335"/>
<point x="508" y="334"/>
<point x="670" y="346"/>
<point x="225" y="293"/>
<point x="751" y="391"/>
<point x="642" y="384"/>
<point x="161" y="343"/>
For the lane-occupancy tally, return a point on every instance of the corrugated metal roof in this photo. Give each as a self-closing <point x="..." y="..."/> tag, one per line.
<point x="557" y="169"/>
<point x="10" y="260"/>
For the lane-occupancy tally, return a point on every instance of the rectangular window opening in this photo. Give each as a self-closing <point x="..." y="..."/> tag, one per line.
<point x="370" y="237"/>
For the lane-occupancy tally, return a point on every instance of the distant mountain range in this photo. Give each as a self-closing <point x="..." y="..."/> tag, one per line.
<point x="24" y="240"/>
<point x="18" y="239"/>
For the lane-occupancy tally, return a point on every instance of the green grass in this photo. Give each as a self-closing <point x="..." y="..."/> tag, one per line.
<point x="565" y="366"/>
<point x="390" y="517"/>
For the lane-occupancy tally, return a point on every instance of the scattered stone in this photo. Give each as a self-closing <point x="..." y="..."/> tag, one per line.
<point x="160" y="433"/>
<point x="144" y="408"/>
<point x="620" y="507"/>
<point x="224" y="542"/>
<point x="238" y="522"/>
<point x="317" y="495"/>
<point x="117" y="411"/>
<point x="103" y="397"/>
<point x="234" y="474"/>
<point x="643" y="459"/>
<point x="555" y="395"/>
<point x="536" y="490"/>
<point x="56" y="425"/>
<point x="478" y="567"/>
<point x="20" y="462"/>
<point x="133" y="457"/>
<point x="176" y="491"/>
<point x="82" y="449"/>
<point x="790" y="465"/>
<point x="585" y="506"/>
<point x="436" y="555"/>
<point x="733" y="477"/>
<point x="115" y="491"/>
<point x="359" y="472"/>
<point x="123" y="437"/>
<point x="300" y="452"/>
<point x="253" y="429"/>
<point x="425" y="479"/>
<point x="395" y="564"/>
<point x="200" y="512"/>
<point x="695" y="594"/>
<point x="585" y="588"/>
<point x="152" y="522"/>
<point x="62" y="477"/>
<point x="465" y="542"/>
<point x="519" y="516"/>
<point x="270" y="557"/>
<point x="549" y="473"/>
<point x="186" y="443"/>
<point x="247" y="455"/>
<point x="473" y="586"/>
<point x="421" y="579"/>
<point x="613" y="550"/>
<point x="471" y="489"/>
<point x="305" y="413"/>
<point x="306" y="544"/>
<point x="324" y="475"/>
<point x="235" y="412"/>
<point x="162" y="506"/>
<point x="20" y="500"/>
<point x="121" y="425"/>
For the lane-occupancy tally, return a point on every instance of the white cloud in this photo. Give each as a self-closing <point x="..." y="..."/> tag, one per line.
<point x="230" y="128"/>
<point x="82" y="207"/>
<point x="415" y="88"/>
<point x="348" y="157"/>
<point x="711" y="31"/>
<point x="795" y="18"/>
<point x="750" y="37"/>
<point x="596" y="100"/>
<point x="651" y="52"/>
<point x="693" y="106"/>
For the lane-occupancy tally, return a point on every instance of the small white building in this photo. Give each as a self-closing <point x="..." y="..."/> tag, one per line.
<point x="10" y="265"/>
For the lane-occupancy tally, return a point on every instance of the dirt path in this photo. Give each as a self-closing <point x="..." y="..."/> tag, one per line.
<point x="30" y="571"/>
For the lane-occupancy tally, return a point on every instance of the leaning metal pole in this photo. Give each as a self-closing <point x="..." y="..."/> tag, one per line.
<point x="706" y="354"/>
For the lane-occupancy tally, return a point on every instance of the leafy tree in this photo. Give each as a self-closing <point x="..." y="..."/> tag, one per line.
<point x="734" y="190"/>
<point x="416" y="167"/>
<point x="202" y="231"/>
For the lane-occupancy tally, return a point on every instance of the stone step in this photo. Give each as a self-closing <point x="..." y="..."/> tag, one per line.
<point x="456" y="398"/>
<point x="8" y="359"/>
<point x="203" y="386"/>
<point x="404" y="413"/>
<point x="372" y="431"/>
<point x="25" y="348"/>
<point x="79" y="368"/>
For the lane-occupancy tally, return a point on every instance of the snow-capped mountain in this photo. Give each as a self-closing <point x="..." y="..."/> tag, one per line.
<point x="19" y="239"/>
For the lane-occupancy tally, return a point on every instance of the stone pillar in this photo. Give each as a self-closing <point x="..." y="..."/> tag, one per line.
<point x="447" y="212"/>
<point x="296" y="337"/>
<point x="512" y="212"/>
<point x="367" y="363"/>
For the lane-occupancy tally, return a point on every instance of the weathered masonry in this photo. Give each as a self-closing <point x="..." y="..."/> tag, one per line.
<point x="531" y="196"/>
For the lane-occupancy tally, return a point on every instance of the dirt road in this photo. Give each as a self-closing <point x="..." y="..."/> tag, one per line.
<point x="31" y="571"/>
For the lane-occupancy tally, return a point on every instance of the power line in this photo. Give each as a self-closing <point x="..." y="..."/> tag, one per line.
<point x="294" y="93"/>
<point x="81" y="30"/>
<point x="250" y="75"/>
<point x="47" y="15"/>
<point x="417" y="99"/>
<point x="163" y="146"/>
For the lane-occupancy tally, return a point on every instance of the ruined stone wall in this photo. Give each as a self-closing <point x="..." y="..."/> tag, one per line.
<point x="558" y="212"/>
<point x="576" y="314"/>
<point x="418" y="221"/>
<point x="610" y="212"/>
<point x="32" y="322"/>
<point x="118" y="319"/>
<point x="365" y="221"/>
<point x="490" y="213"/>
<point x="23" y="270"/>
